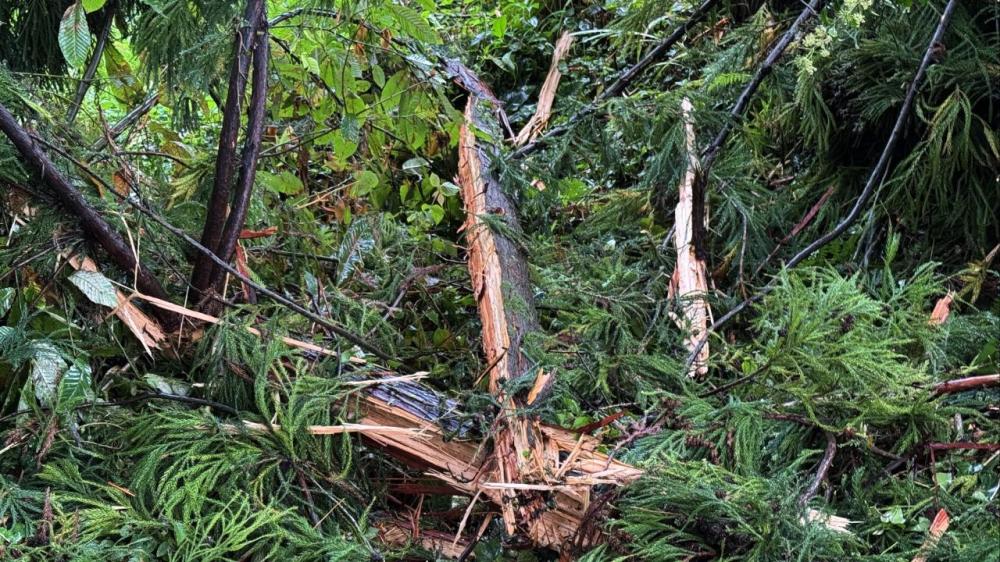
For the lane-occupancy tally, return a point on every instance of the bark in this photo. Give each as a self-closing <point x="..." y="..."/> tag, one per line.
<point x="525" y="465"/>
<point x="92" y="223"/>
<point x="225" y="160"/>
<point x="251" y="148"/>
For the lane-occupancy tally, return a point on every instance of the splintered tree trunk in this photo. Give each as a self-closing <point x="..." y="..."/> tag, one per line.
<point x="506" y="308"/>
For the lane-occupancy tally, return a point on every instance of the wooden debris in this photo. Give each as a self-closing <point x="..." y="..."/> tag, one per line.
<point x="968" y="383"/>
<point x="941" y="310"/>
<point x="540" y="497"/>
<point x="934" y="534"/>
<point x="546" y="95"/>
<point x="145" y="329"/>
<point x="690" y="280"/>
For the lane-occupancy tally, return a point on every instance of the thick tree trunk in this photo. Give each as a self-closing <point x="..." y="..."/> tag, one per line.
<point x="251" y="148"/>
<point x="225" y="160"/>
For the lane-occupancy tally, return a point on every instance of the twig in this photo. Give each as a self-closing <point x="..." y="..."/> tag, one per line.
<point x="968" y="383"/>
<point x="821" y="470"/>
<point x="873" y="178"/>
<point x="177" y="232"/>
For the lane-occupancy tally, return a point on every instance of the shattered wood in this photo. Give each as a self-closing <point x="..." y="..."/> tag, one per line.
<point x="539" y="497"/>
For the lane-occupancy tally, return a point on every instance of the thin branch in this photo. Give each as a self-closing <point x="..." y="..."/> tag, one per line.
<point x="711" y="153"/>
<point x="624" y="79"/>
<point x="874" y="178"/>
<point x="130" y="118"/>
<point x="95" y="60"/>
<point x="968" y="383"/>
<point x="821" y="470"/>
<point x="225" y="159"/>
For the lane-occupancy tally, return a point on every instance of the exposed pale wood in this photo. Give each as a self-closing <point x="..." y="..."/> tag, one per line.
<point x="934" y="534"/>
<point x="547" y="95"/>
<point x="145" y="329"/>
<point x="690" y="280"/>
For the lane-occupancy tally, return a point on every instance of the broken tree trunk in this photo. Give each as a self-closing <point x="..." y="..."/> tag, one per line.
<point x="526" y="455"/>
<point x="426" y="431"/>
<point x="690" y="281"/>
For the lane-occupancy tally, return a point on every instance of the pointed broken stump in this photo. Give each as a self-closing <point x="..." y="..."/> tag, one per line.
<point x="690" y="280"/>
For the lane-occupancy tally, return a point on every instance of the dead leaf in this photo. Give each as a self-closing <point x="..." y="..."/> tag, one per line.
<point x="941" y="310"/>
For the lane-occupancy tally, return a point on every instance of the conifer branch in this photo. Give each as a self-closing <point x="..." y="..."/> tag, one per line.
<point x="874" y="177"/>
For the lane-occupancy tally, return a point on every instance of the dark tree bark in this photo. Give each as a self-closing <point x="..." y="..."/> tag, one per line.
<point x="251" y="148"/>
<point x="91" y="221"/>
<point x="225" y="160"/>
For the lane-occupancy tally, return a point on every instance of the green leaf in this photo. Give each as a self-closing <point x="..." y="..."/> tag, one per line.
<point x="75" y="385"/>
<point x="6" y="299"/>
<point x="285" y="183"/>
<point x="96" y="287"/>
<point x="364" y="182"/>
<point x="93" y="5"/>
<point x="74" y="36"/>
<point x="167" y="385"/>
<point x="46" y="365"/>
<point x="413" y="24"/>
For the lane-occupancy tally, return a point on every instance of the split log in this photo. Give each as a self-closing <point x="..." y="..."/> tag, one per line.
<point x="690" y="280"/>
<point x="527" y="470"/>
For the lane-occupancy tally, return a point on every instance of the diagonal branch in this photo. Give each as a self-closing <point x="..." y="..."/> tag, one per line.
<point x="72" y="200"/>
<point x="712" y="152"/>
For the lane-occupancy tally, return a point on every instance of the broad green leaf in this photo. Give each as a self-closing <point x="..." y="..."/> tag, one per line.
<point x="96" y="287"/>
<point x="46" y="366"/>
<point x="6" y="299"/>
<point x="285" y="182"/>
<point x="75" y="386"/>
<point x="364" y="182"/>
<point x="436" y="212"/>
<point x="449" y="189"/>
<point x="415" y="165"/>
<point x="93" y="5"/>
<point x="74" y="36"/>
